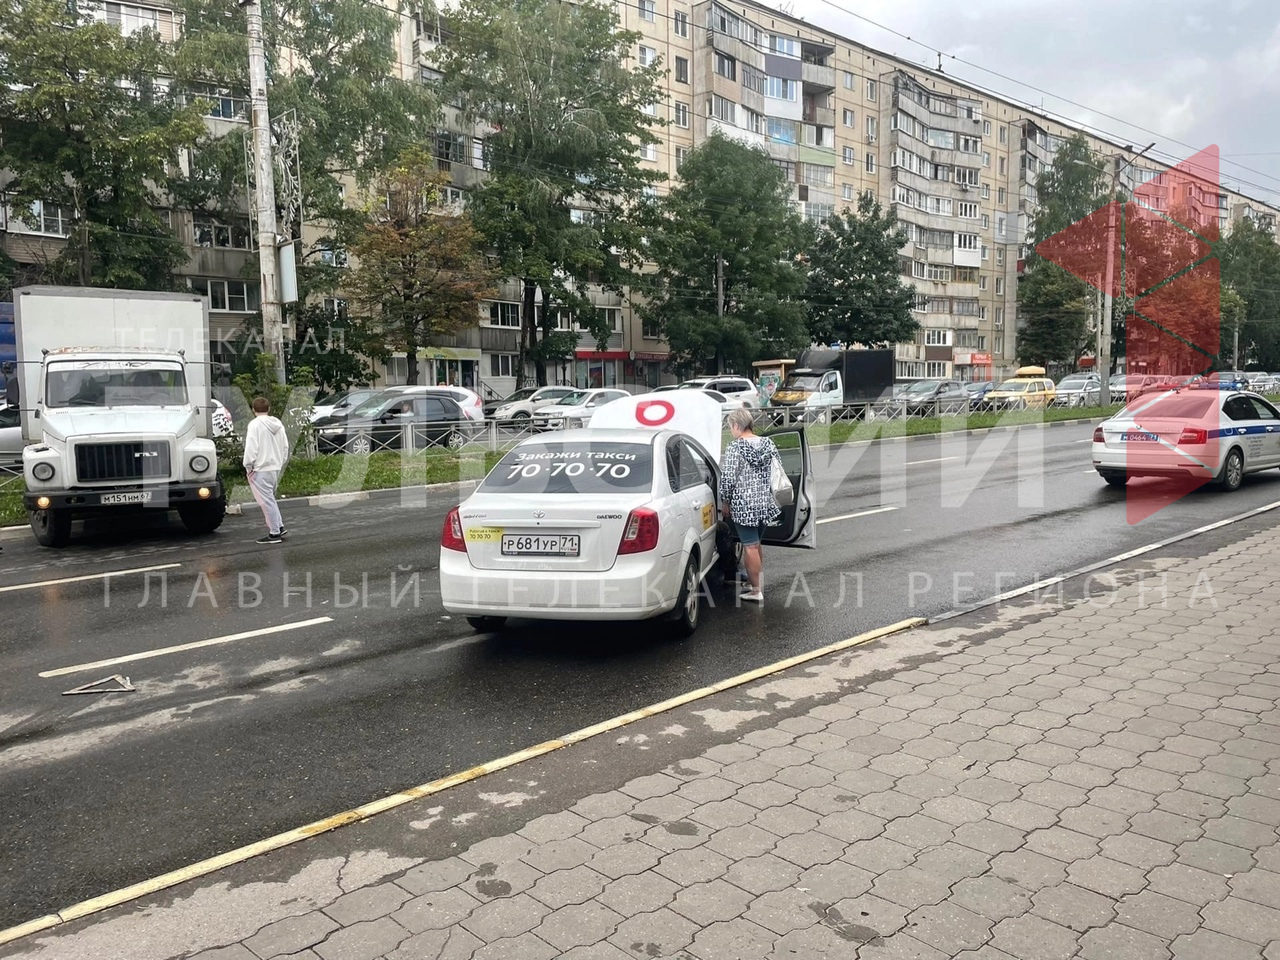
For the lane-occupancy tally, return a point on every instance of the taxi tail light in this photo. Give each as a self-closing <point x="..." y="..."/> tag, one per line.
<point x="1097" y="435"/>
<point x="1193" y="435"/>
<point x="641" y="533"/>
<point x="451" y="537"/>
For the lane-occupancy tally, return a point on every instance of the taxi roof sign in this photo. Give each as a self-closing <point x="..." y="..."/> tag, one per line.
<point x="1029" y="372"/>
<point x="688" y="411"/>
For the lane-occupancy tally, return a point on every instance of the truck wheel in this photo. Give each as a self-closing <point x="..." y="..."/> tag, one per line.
<point x="202" y="518"/>
<point x="52" y="528"/>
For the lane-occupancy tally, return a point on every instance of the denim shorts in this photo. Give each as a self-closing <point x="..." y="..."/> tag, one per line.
<point x="749" y="536"/>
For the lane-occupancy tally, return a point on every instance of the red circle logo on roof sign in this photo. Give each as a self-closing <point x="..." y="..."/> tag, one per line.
<point x="654" y="413"/>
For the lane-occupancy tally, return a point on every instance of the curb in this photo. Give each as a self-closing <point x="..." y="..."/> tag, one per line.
<point x="323" y="499"/>
<point x="205" y="867"/>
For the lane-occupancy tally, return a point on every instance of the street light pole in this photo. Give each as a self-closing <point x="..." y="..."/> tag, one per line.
<point x="265" y="190"/>
<point x="1104" y="328"/>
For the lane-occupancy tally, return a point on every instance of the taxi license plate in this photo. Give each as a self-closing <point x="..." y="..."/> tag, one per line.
<point x="1138" y="438"/>
<point x="142" y="497"/>
<point x="540" y="545"/>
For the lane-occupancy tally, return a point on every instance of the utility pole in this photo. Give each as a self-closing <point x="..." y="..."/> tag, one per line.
<point x="265" y="189"/>
<point x="1104" y="330"/>
<point x="1235" y="350"/>
<point x="719" y="305"/>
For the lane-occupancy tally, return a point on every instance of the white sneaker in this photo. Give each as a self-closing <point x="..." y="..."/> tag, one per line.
<point x="755" y="596"/>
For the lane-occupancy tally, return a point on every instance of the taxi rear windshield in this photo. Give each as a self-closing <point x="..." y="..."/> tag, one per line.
<point x="1174" y="407"/>
<point x="573" y="467"/>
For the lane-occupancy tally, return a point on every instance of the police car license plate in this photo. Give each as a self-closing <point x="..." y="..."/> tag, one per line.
<point x="540" y="545"/>
<point x="1138" y="438"/>
<point x="143" y="497"/>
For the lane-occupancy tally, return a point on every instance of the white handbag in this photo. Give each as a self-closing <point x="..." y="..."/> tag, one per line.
<point x="783" y="492"/>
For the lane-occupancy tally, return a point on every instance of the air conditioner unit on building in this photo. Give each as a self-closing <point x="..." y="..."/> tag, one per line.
<point x="999" y="324"/>
<point x="964" y="188"/>
<point x="871" y="138"/>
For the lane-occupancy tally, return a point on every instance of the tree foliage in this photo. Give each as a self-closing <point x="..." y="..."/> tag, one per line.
<point x="88" y="127"/>
<point x="421" y="271"/>
<point x="731" y="201"/>
<point x="1250" y="260"/>
<point x="566" y="114"/>
<point x="855" y="291"/>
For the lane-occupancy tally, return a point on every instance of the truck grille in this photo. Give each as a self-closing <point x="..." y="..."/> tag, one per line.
<point x="144" y="460"/>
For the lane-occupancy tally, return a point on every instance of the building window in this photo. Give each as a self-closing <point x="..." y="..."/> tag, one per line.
<point x="503" y="364"/>
<point x="848" y="80"/>
<point x="937" y="338"/>
<point x="1004" y="166"/>
<point x="873" y="128"/>
<point x="939" y="273"/>
<point x="780" y="89"/>
<point x="1001" y="195"/>
<point x="682" y="70"/>
<point x="999" y="286"/>
<point x="848" y="156"/>
<point x="648" y="56"/>
<point x="223" y="104"/>
<point x="726" y="66"/>
<point x="651" y="330"/>
<point x="818" y="212"/>
<point x="228" y="296"/>
<point x="985" y="252"/>
<point x="999" y="346"/>
<point x="846" y="191"/>
<point x="966" y="274"/>
<point x="1001" y="222"/>
<point x="967" y="308"/>
<point x="208" y="232"/>
<point x="682" y="154"/>
<point x="1004" y="134"/>
<point x="982" y="282"/>
<point x="919" y="269"/>
<point x="986" y="222"/>
<point x="51" y="218"/>
<point x="999" y="317"/>
<point x="970" y="144"/>
<point x="968" y="210"/>
<point x="334" y="257"/>
<point x="935" y="369"/>
<point x="682" y="115"/>
<point x="335" y="306"/>
<point x="849" y="119"/>
<point x="986" y="158"/>
<point x="648" y="10"/>
<point x="817" y="175"/>
<point x="966" y="241"/>
<point x="939" y="305"/>
<point x="871" y="90"/>
<point x="999" y="256"/>
<point x="786" y="46"/>
<point x="784" y="131"/>
<point x="871" y="162"/>
<point x="131" y="18"/>
<point x="723" y="109"/>
<point x="649" y="151"/>
<point x="986" y="128"/>
<point x="986" y="191"/>
<point x="680" y="22"/>
<point x="504" y="314"/>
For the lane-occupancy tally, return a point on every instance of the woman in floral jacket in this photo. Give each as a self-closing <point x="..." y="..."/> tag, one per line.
<point x="746" y="494"/>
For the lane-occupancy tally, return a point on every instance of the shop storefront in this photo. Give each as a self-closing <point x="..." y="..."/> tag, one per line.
<point x="456" y="366"/>
<point x="616" y="368"/>
<point x="973" y="367"/>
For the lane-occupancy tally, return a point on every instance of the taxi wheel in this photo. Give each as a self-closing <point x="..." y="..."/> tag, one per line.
<point x="486" y="624"/>
<point x="1116" y="479"/>
<point x="1232" y="471"/>
<point x="689" y="606"/>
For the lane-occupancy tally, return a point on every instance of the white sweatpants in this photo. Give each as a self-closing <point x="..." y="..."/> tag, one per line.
<point x="263" y="483"/>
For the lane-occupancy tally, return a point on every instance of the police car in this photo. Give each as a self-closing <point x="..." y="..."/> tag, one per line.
<point x="1211" y="431"/>
<point x="618" y="521"/>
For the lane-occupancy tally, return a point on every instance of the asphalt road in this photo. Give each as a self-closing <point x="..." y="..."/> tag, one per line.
<point x="220" y="745"/>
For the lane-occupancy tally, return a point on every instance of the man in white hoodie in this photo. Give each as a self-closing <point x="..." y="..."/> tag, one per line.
<point x="266" y="451"/>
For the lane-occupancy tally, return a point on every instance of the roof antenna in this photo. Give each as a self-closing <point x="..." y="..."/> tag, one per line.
<point x="940" y="70"/>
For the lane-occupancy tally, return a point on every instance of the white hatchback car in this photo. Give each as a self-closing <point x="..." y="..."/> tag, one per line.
<point x="575" y="410"/>
<point x="1209" y="431"/>
<point x="604" y="524"/>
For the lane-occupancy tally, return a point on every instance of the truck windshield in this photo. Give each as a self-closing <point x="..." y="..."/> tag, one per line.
<point x="808" y="382"/>
<point x="115" y="383"/>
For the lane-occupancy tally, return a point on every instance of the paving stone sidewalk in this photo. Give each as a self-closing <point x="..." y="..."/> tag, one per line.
<point x="1099" y="781"/>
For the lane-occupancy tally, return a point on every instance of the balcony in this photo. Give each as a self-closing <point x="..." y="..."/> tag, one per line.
<point x="818" y="75"/>
<point x="820" y="116"/>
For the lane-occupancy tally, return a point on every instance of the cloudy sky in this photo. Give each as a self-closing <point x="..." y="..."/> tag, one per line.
<point x="1194" y="74"/>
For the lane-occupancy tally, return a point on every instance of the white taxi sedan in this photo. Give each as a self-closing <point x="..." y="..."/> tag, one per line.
<point x="602" y="524"/>
<point x="1208" y="432"/>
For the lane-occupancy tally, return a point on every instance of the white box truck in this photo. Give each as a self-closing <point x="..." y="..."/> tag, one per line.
<point x="114" y="388"/>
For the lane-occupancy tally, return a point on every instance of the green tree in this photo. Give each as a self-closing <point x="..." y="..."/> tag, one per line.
<point x="333" y="66"/>
<point x="88" y="128"/>
<point x="732" y="201"/>
<point x="551" y="80"/>
<point x="1250" y="260"/>
<point x="335" y="347"/>
<point x="1055" y="304"/>
<point x="421" y="272"/>
<point x="855" y="291"/>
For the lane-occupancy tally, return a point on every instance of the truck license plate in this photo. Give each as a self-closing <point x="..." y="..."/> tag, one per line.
<point x="540" y="545"/>
<point x="141" y="497"/>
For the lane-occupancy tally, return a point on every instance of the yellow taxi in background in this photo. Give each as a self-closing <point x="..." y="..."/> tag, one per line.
<point x="1029" y="389"/>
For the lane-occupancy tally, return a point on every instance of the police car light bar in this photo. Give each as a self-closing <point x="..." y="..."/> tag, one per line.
<point x="1219" y="385"/>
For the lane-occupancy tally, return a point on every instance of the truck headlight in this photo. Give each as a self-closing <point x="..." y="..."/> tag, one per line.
<point x="43" y="471"/>
<point x="199" y="463"/>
